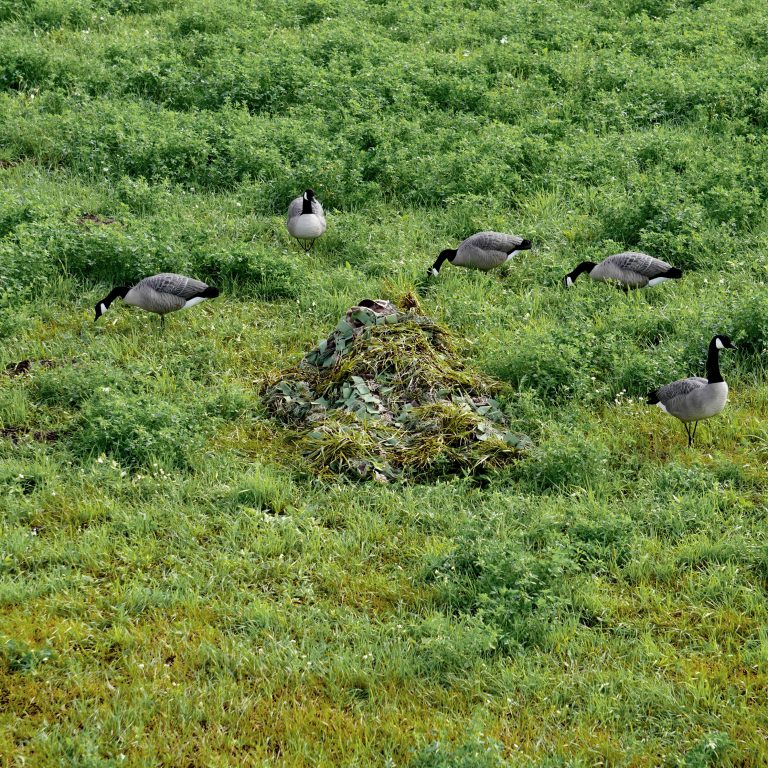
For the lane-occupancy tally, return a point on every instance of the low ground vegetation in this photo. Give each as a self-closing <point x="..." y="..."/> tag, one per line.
<point x="177" y="586"/>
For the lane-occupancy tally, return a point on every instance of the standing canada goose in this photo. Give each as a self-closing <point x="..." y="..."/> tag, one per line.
<point x="163" y="293"/>
<point x="306" y="220"/>
<point x="484" y="251"/>
<point x="630" y="269"/>
<point x="696" y="398"/>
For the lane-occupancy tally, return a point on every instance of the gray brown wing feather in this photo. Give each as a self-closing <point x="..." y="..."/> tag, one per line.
<point x="295" y="208"/>
<point x="641" y="263"/>
<point x="679" y="388"/>
<point x="494" y="241"/>
<point x="176" y="285"/>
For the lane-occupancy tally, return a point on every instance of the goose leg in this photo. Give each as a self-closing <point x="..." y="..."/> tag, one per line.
<point x="162" y="322"/>
<point x="695" y="424"/>
<point x="688" y="432"/>
<point x="306" y="246"/>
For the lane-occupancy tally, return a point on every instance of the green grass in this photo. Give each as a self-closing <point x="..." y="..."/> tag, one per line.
<point x="176" y="588"/>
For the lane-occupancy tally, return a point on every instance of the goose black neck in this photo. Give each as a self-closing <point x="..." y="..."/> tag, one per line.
<point x="115" y="293"/>
<point x="449" y="254"/>
<point x="306" y="205"/>
<point x="585" y="266"/>
<point x="713" y="363"/>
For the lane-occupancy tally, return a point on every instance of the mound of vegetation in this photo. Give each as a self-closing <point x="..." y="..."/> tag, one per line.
<point x="385" y="397"/>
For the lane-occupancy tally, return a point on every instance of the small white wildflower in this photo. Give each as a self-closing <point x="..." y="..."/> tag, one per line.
<point x="504" y="40"/>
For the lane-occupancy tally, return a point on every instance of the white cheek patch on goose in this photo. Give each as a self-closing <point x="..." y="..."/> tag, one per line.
<point x="719" y="344"/>
<point x="657" y="280"/>
<point x="192" y="302"/>
<point x="103" y="308"/>
<point x="569" y="281"/>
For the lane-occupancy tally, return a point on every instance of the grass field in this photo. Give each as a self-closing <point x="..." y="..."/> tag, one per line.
<point x="176" y="589"/>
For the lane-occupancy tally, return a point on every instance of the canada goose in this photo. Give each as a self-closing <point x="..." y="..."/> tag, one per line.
<point x="696" y="398"/>
<point x="630" y="270"/>
<point x="484" y="251"/>
<point x="306" y="220"/>
<point x="163" y="293"/>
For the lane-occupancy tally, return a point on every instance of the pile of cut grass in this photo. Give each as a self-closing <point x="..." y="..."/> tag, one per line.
<point x="386" y="397"/>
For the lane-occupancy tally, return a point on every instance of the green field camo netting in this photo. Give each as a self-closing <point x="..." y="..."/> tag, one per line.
<point x="386" y="397"/>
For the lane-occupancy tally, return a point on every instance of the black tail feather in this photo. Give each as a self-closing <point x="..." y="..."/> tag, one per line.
<point x="211" y="292"/>
<point x="674" y="273"/>
<point x="653" y="397"/>
<point x="524" y="246"/>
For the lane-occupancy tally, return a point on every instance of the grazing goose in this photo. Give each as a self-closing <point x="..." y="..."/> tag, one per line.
<point x="630" y="270"/>
<point x="306" y="220"/>
<point x="484" y="251"/>
<point x="163" y="293"/>
<point x="696" y="398"/>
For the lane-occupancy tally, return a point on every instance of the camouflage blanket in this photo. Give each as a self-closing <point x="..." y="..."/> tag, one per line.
<point x="386" y="397"/>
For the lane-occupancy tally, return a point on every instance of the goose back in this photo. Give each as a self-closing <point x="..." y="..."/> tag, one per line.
<point x="486" y="250"/>
<point x="166" y="292"/>
<point x="632" y="268"/>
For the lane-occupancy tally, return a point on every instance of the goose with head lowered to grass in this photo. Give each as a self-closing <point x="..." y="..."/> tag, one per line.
<point x="306" y="220"/>
<point x="483" y="251"/>
<point x="163" y="293"/>
<point x="630" y="269"/>
<point x="696" y="398"/>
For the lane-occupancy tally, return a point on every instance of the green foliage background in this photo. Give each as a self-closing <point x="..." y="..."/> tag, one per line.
<point x="176" y="588"/>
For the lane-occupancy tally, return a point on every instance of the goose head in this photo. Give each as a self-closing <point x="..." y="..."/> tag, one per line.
<point x="724" y="342"/>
